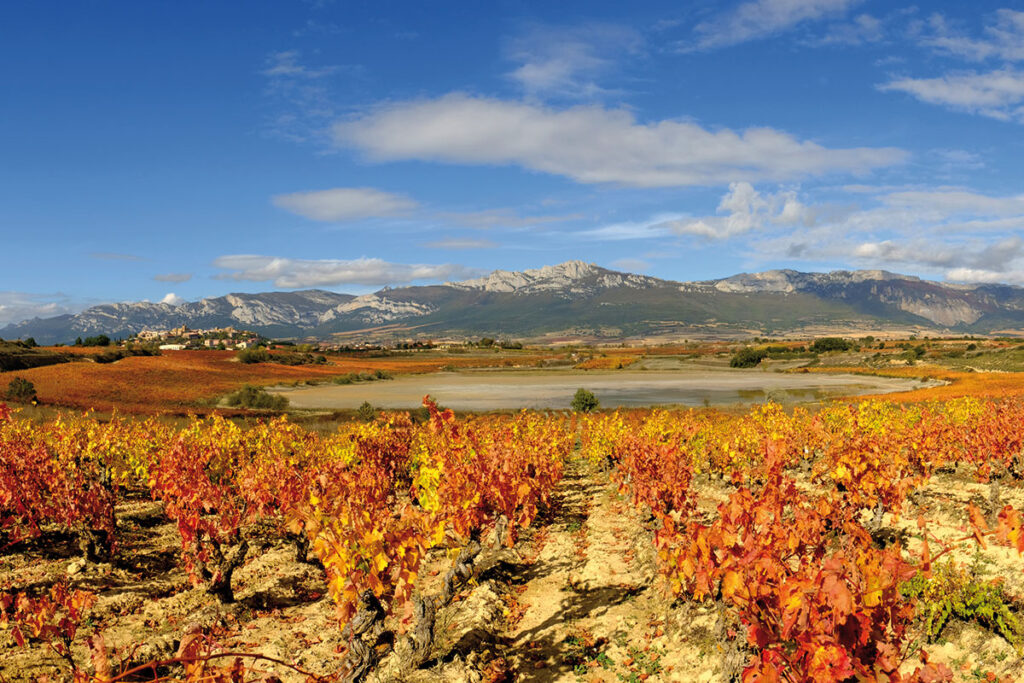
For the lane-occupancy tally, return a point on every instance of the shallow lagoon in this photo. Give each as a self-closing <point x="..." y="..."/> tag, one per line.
<point x="543" y="389"/>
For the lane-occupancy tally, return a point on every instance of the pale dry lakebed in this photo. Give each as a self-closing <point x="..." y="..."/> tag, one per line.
<point x="511" y="390"/>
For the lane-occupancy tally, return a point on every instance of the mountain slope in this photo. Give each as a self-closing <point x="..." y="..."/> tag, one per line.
<point x="577" y="298"/>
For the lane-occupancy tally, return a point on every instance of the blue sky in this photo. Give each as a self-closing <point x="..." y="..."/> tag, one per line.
<point x="176" y="150"/>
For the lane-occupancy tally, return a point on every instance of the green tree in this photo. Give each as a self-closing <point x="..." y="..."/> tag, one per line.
<point x="748" y="358"/>
<point x="584" y="401"/>
<point x="21" y="390"/>
<point x="826" y="344"/>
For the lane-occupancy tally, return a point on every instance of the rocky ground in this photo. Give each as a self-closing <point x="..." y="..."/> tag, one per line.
<point x="577" y="599"/>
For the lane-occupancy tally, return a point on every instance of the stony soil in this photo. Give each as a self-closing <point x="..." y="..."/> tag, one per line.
<point x="577" y="599"/>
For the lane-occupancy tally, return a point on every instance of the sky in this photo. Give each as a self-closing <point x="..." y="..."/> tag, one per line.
<point x="169" y="151"/>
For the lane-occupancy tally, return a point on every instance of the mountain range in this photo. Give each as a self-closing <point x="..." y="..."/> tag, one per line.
<point x="577" y="300"/>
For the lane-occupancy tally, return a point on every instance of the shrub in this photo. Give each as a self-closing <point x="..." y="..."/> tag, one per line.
<point x="826" y="344"/>
<point x="584" y="401"/>
<point x="366" y="412"/>
<point x="954" y="592"/>
<point x="255" y="355"/>
<point x="747" y="358"/>
<point x="257" y="397"/>
<point x="21" y="390"/>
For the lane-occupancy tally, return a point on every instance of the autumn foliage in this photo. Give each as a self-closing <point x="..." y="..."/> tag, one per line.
<point x="790" y="554"/>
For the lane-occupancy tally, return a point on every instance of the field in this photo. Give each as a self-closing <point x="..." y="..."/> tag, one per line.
<point x="185" y="382"/>
<point x="876" y="539"/>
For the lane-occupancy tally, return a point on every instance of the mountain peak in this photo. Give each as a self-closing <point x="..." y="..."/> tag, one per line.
<point x="574" y="296"/>
<point x="560" y="276"/>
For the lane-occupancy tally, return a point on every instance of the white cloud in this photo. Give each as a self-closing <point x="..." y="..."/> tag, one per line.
<point x="743" y="209"/>
<point x="956" y="201"/>
<point x="566" y="61"/>
<point x="345" y="204"/>
<point x="958" y="160"/>
<point x="18" y="306"/>
<point x="762" y="18"/>
<point x="286" y="65"/>
<point x="173" y="277"/>
<point x="658" y="226"/>
<point x="982" y="276"/>
<point x="863" y="28"/>
<point x="918" y="252"/>
<point x="998" y="94"/>
<point x="1003" y="37"/>
<point x="172" y="299"/>
<point x="303" y="98"/>
<point x="288" y="273"/>
<point x="593" y="144"/>
<point x="461" y="243"/>
<point x="501" y="218"/>
<point x="953" y="232"/>
<point x="961" y="260"/>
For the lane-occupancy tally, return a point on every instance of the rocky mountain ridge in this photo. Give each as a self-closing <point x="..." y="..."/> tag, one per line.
<point x="579" y="298"/>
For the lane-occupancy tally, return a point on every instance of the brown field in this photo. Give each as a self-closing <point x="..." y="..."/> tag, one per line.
<point x="191" y="381"/>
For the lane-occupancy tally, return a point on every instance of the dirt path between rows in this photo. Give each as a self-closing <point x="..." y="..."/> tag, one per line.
<point x="594" y="608"/>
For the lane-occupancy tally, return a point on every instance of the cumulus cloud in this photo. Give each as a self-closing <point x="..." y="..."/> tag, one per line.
<point x="345" y="204"/>
<point x="172" y="299"/>
<point x="288" y="273"/>
<point x="593" y="144"/>
<point x="18" y="306"/>
<point x="952" y="232"/>
<point x="743" y="209"/>
<point x="567" y="61"/>
<point x="982" y="276"/>
<point x="997" y="94"/>
<point x="962" y="260"/>
<point x="762" y="18"/>
<point x="173" y="277"/>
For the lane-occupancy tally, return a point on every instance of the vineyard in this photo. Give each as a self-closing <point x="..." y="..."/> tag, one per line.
<point x="871" y="541"/>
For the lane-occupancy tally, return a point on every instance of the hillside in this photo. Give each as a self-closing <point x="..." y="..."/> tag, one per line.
<point x="581" y="299"/>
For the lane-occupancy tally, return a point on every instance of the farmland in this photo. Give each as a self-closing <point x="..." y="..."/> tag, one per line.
<point x="878" y="537"/>
<point x="192" y="381"/>
<point x="665" y="545"/>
